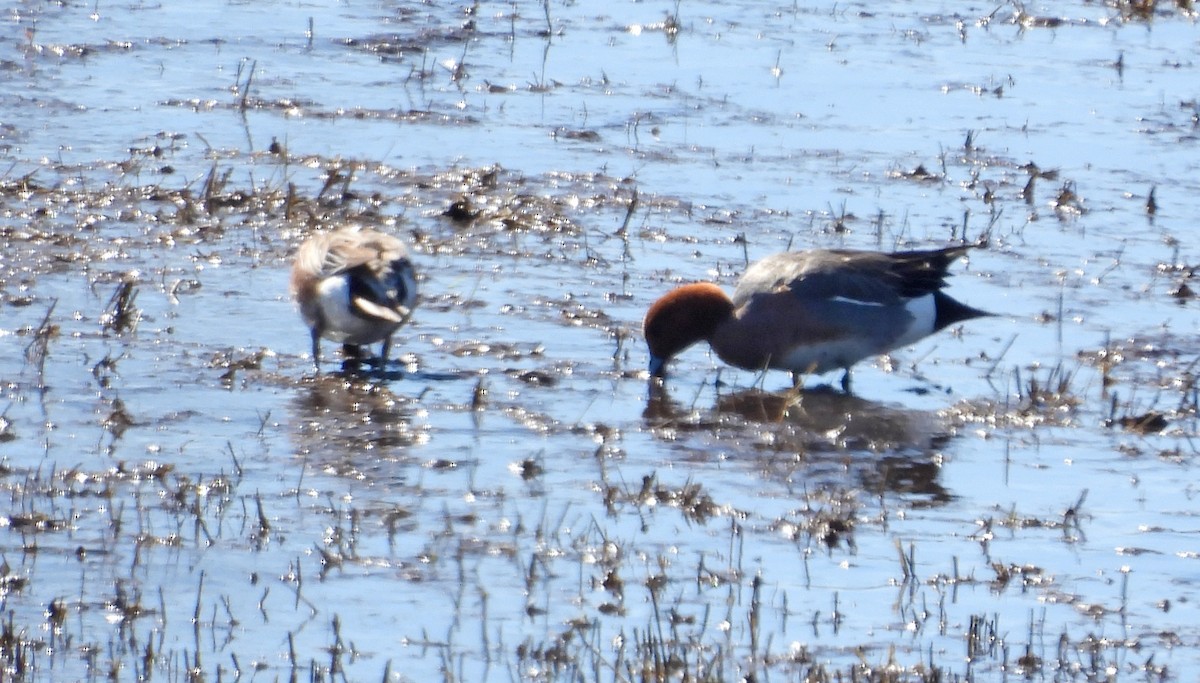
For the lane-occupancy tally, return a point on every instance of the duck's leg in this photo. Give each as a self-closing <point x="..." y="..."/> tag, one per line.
<point x="797" y="380"/>
<point x="316" y="349"/>
<point x="383" y="355"/>
<point x="353" y="357"/>
<point x="846" y="381"/>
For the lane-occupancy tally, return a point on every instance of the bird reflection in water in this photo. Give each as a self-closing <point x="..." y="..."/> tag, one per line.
<point x="822" y="432"/>
<point x="351" y="426"/>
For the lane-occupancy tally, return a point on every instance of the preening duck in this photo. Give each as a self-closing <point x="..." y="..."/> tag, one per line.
<point x="354" y="287"/>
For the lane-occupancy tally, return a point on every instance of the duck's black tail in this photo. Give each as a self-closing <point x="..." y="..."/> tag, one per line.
<point x="950" y="311"/>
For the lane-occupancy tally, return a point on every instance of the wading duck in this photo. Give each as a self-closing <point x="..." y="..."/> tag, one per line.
<point x="810" y="311"/>
<point x="354" y="287"/>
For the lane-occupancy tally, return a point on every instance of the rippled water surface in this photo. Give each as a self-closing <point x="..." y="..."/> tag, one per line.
<point x="513" y="500"/>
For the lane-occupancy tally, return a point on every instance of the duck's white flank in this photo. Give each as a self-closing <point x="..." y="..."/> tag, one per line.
<point x="924" y="312"/>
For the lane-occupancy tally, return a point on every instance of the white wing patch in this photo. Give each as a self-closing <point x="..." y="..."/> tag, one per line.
<point x="857" y="302"/>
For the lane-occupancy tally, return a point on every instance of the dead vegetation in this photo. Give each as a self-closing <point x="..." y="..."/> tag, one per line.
<point x="638" y="612"/>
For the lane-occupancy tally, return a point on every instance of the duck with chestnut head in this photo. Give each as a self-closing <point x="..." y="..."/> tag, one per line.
<point x="810" y="311"/>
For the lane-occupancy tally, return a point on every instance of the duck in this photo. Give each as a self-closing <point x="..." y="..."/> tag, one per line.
<point x="354" y="286"/>
<point x="810" y="312"/>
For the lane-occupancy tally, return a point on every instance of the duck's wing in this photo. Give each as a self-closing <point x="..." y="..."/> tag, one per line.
<point x="381" y="277"/>
<point x="391" y="299"/>
<point x="829" y="296"/>
<point x="820" y="310"/>
<point x="867" y="276"/>
<point x="815" y="276"/>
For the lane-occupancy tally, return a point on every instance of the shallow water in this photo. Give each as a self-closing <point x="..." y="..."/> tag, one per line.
<point x="512" y="501"/>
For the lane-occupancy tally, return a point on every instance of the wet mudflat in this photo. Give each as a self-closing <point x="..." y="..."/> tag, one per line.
<point x="513" y="500"/>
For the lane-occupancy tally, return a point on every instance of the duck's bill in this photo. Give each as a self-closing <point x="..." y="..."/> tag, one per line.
<point x="658" y="366"/>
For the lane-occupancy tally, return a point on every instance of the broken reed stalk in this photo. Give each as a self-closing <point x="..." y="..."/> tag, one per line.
<point x="289" y="202"/>
<point x="907" y="562"/>
<point x="196" y="618"/>
<point x="755" y="606"/>
<point x="214" y="184"/>
<point x="630" y="209"/>
<point x="38" y="348"/>
<point x="741" y="239"/>
<point x="332" y="177"/>
<point x="262" y="532"/>
<point x="1000" y="357"/>
<point x="121" y="315"/>
<point x="244" y="103"/>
